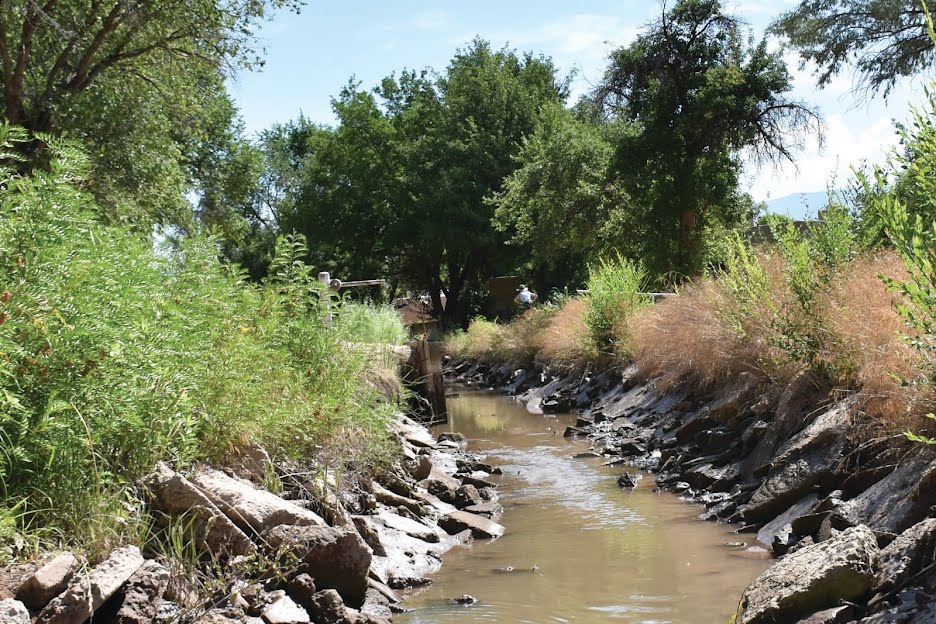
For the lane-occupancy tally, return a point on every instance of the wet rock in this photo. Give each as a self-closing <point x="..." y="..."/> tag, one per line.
<point x="410" y="527"/>
<point x="453" y="436"/>
<point x="327" y="608"/>
<point x="628" y="481"/>
<point x="913" y="550"/>
<point x="393" y="499"/>
<point x="285" y="611"/>
<point x="487" y="509"/>
<point x="466" y="496"/>
<point x="586" y="455"/>
<point x="87" y="593"/>
<point x="812" y="579"/>
<point x="478" y="482"/>
<point x="422" y="467"/>
<point x="808" y="462"/>
<point x="466" y="599"/>
<point x="458" y="521"/>
<point x="708" y="477"/>
<point x="251" y="509"/>
<point x="336" y="557"/>
<point x="13" y="611"/>
<point x="174" y="495"/>
<point x="143" y="594"/>
<point x="630" y="447"/>
<point x="573" y="432"/>
<point x="376" y="606"/>
<point x="47" y="582"/>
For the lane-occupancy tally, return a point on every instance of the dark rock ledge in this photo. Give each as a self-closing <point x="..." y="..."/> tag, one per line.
<point x="851" y="518"/>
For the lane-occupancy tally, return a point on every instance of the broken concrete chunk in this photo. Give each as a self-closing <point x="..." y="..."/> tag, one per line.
<point x="87" y="593"/>
<point x="143" y="594"/>
<point x="249" y="508"/>
<point x="48" y="582"/>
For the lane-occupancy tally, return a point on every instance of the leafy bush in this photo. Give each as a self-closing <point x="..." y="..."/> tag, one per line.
<point x="615" y="293"/>
<point x="370" y="323"/>
<point x="114" y="356"/>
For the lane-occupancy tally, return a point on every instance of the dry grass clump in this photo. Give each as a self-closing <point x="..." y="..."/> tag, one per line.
<point x="867" y="348"/>
<point x="565" y="340"/>
<point x="685" y="340"/>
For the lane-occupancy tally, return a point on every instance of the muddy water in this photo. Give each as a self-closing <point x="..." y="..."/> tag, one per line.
<point x="580" y="548"/>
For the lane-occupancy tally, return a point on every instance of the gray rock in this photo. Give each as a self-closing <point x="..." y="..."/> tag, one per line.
<point x="393" y="499"/>
<point x="422" y="467"/>
<point x="914" y="549"/>
<point x="301" y="588"/>
<point x="251" y="509"/>
<point x="48" y="581"/>
<point x="458" y="521"/>
<point x="376" y="606"/>
<point x="466" y="496"/>
<point x="251" y="462"/>
<point x="814" y="578"/>
<point x="808" y="462"/>
<point x="896" y="502"/>
<point x="87" y="593"/>
<point x="800" y="508"/>
<point x="285" y="611"/>
<point x="143" y="594"/>
<point x="835" y="615"/>
<point x="487" y="509"/>
<point x="13" y="612"/>
<point x="174" y="495"/>
<point x="628" y="481"/>
<point x="369" y="535"/>
<point x="336" y="557"/>
<point x="410" y="527"/>
<point x="327" y="608"/>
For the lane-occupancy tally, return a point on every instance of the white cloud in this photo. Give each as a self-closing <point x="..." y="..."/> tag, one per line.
<point x="815" y="170"/>
<point x="434" y="20"/>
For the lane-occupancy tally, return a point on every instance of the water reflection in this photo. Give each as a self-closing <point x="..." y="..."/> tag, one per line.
<point x="580" y="548"/>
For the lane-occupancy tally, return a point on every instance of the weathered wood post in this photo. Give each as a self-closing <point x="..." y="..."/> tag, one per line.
<point x="429" y="358"/>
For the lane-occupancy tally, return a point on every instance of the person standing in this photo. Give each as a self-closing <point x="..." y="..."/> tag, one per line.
<point x="525" y="297"/>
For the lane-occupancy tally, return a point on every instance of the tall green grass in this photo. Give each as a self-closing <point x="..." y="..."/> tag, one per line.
<point x="615" y="292"/>
<point x="114" y="356"/>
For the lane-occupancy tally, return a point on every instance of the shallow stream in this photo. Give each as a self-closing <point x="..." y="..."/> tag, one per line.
<point x="578" y="548"/>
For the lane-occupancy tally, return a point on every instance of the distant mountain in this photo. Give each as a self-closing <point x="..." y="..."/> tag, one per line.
<point x="798" y="205"/>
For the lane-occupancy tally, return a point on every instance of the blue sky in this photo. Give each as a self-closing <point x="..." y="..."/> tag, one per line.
<point x="310" y="56"/>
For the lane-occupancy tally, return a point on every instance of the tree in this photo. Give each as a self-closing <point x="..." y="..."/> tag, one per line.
<point x="128" y="77"/>
<point x="401" y="184"/>
<point x="883" y="40"/>
<point x="698" y="94"/>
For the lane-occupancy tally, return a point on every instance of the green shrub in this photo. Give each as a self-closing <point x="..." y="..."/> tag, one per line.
<point x="114" y="356"/>
<point x="370" y="323"/>
<point x="615" y="292"/>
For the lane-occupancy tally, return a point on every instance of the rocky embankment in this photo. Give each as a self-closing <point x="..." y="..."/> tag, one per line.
<point x="850" y="518"/>
<point x="312" y="553"/>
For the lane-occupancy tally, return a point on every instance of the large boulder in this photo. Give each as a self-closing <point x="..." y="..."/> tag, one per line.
<point x="47" y="582"/>
<point x="913" y="550"/>
<point x="251" y="509"/>
<point x="143" y="595"/>
<point x="88" y="592"/>
<point x="458" y="521"/>
<point x="174" y="495"/>
<point x="808" y="462"/>
<point x="814" y="578"/>
<point x="336" y="557"/>
<point x="896" y="502"/>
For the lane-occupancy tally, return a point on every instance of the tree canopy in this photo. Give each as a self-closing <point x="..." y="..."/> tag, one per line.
<point x="882" y="40"/>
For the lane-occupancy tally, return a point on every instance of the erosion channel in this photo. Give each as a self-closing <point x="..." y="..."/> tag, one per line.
<point x="579" y="548"/>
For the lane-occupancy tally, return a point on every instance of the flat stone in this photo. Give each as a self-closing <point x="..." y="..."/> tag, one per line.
<point x="336" y="557"/>
<point x="285" y="611"/>
<point x="435" y="502"/>
<point x="800" y="508"/>
<point x="143" y="594"/>
<point x="48" y="581"/>
<point x="88" y="593"/>
<point x="458" y="521"/>
<point x="835" y="615"/>
<point x="174" y="495"/>
<point x="410" y="527"/>
<point x="251" y="509"/>
<point x="13" y="611"/>
<point x="814" y="578"/>
<point x="486" y="509"/>
<point x="727" y="410"/>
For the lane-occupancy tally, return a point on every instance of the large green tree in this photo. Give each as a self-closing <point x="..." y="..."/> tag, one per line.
<point x="698" y="92"/>
<point x="401" y="185"/>
<point x="139" y="82"/>
<point x="882" y="40"/>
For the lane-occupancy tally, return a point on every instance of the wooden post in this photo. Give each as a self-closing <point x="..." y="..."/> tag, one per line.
<point x="429" y="356"/>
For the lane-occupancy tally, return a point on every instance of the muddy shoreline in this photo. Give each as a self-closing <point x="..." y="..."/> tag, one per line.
<point x="848" y="518"/>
